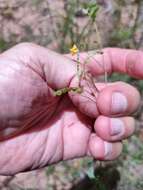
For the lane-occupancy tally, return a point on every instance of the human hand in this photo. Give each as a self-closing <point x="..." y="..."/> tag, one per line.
<point x="47" y="129"/>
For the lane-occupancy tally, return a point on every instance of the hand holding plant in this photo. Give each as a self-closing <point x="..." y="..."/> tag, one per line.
<point x="39" y="128"/>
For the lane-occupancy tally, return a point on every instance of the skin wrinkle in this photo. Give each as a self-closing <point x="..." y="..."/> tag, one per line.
<point x="63" y="141"/>
<point x="125" y="65"/>
<point x="62" y="138"/>
<point x="53" y="157"/>
<point x="51" y="69"/>
<point x="133" y="62"/>
<point x="129" y="64"/>
<point x="28" y="163"/>
<point x="37" y="73"/>
<point x="109" y="52"/>
<point x="44" y="74"/>
<point x="41" y="75"/>
<point x="38" y="151"/>
<point x="87" y="151"/>
<point x="35" y="158"/>
<point x="90" y="139"/>
<point x="29" y="50"/>
<point x="41" y="158"/>
<point x="87" y="144"/>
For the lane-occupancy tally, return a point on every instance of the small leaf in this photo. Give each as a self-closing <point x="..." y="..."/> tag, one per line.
<point x="90" y="172"/>
<point x="92" y="9"/>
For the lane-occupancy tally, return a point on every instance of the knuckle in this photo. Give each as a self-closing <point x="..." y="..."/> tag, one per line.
<point x="26" y="45"/>
<point x="133" y="60"/>
<point x="26" y="50"/>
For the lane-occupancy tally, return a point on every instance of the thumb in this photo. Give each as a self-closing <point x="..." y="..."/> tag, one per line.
<point x="55" y="69"/>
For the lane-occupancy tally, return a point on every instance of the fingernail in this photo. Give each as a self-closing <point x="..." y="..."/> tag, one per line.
<point x="108" y="150"/>
<point x="116" y="127"/>
<point x="119" y="103"/>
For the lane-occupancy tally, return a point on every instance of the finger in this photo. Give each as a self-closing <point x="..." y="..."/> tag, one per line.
<point x="118" y="99"/>
<point x="103" y="150"/>
<point x="114" y="99"/>
<point x="114" y="60"/>
<point x="114" y="129"/>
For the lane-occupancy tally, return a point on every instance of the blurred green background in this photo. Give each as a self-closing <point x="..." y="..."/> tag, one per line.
<point x="58" y="25"/>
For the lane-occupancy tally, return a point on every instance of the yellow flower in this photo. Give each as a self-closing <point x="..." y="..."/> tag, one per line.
<point x="74" y="50"/>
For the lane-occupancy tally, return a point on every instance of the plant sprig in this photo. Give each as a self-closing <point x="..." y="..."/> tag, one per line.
<point x="82" y="74"/>
<point x="92" y="9"/>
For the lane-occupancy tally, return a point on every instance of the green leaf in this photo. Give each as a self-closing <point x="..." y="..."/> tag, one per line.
<point x="3" y="44"/>
<point x="92" y="9"/>
<point x="90" y="172"/>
